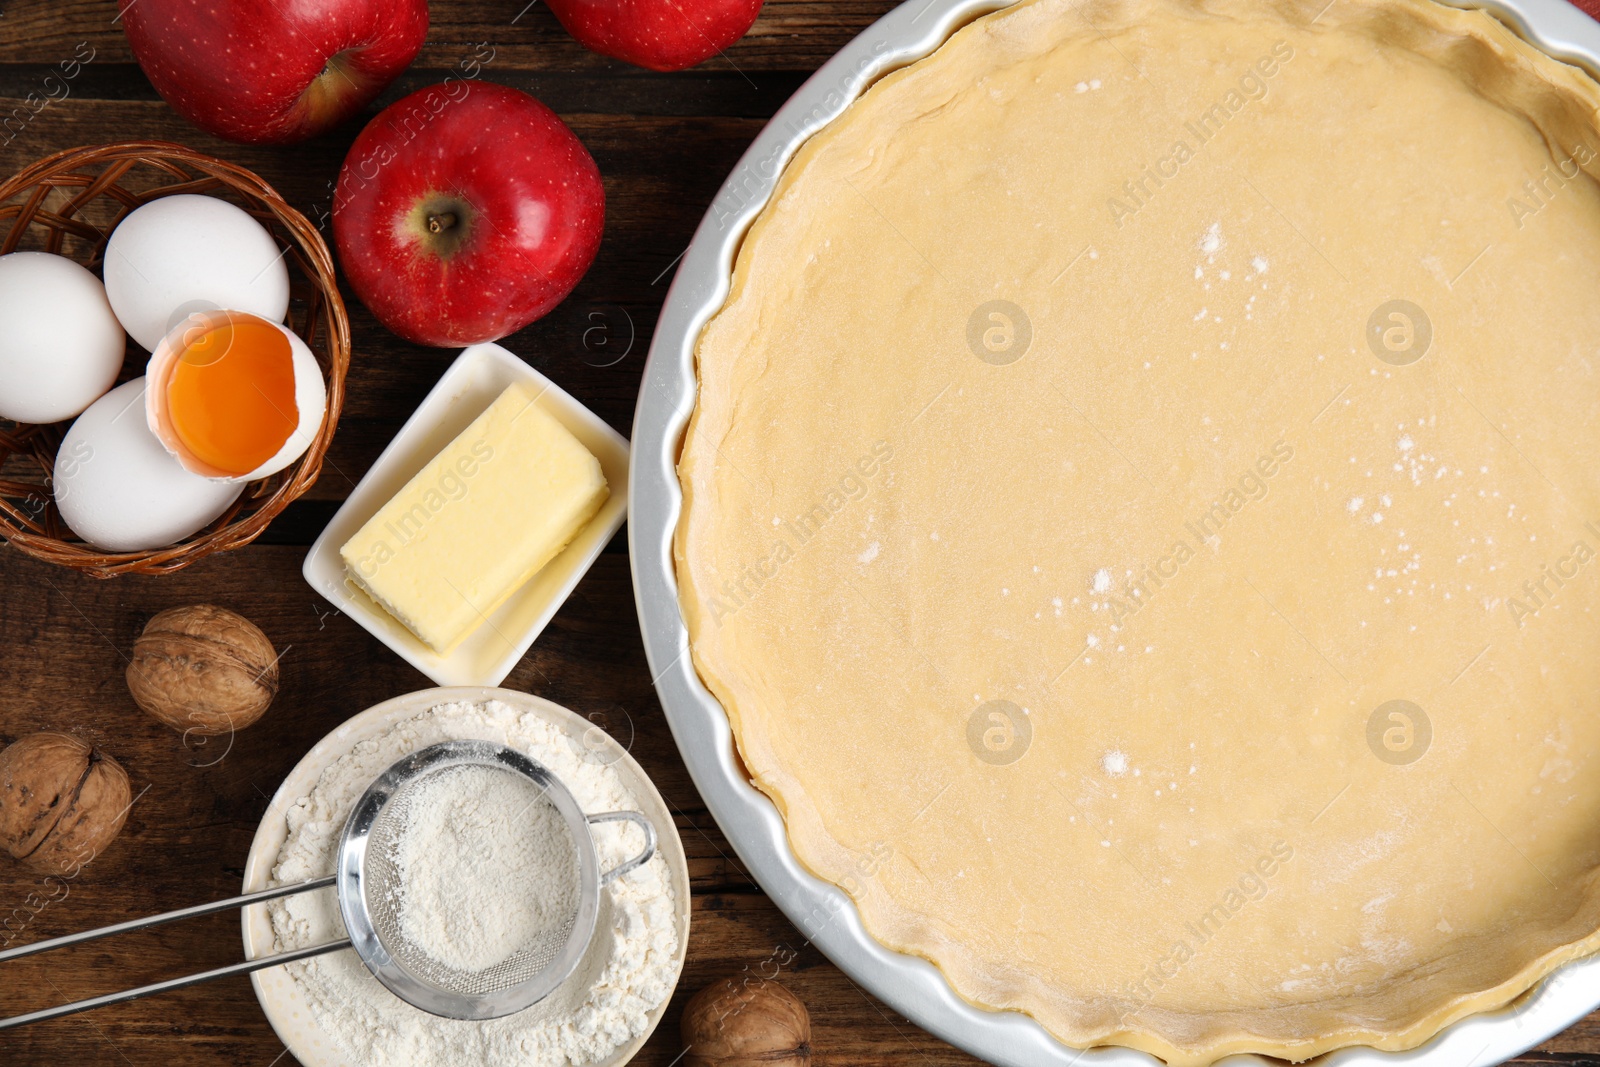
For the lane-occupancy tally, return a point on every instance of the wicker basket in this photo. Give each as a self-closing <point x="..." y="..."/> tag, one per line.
<point x="69" y="203"/>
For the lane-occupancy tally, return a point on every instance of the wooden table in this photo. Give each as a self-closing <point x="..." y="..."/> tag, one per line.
<point x="664" y="144"/>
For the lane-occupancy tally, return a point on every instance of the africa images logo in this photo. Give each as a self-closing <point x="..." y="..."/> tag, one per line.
<point x="1142" y="188"/>
<point x="793" y="534"/>
<point x="451" y="486"/>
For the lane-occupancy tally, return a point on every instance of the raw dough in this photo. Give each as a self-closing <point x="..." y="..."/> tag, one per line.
<point x="1068" y="501"/>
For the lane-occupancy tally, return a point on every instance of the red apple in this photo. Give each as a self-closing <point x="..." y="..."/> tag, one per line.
<point x="270" y="71"/>
<point x="464" y="212"/>
<point x="659" y="34"/>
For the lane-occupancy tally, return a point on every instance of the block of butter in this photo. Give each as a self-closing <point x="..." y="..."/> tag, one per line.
<point x="478" y="521"/>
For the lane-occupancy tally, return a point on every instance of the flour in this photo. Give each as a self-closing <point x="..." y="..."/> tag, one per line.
<point x="487" y="867"/>
<point x="627" y="973"/>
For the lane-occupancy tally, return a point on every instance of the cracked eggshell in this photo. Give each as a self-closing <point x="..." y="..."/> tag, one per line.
<point x="310" y="397"/>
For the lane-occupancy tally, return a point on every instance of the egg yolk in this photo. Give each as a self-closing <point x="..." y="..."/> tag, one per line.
<point x="231" y="396"/>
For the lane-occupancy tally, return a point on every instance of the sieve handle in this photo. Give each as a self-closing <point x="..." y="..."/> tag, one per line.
<point x="246" y="967"/>
<point x="645" y="853"/>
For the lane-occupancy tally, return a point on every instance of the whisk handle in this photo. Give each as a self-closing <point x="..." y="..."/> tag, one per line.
<point x="168" y="917"/>
<point x="173" y="983"/>
<point x="649" y="850"/>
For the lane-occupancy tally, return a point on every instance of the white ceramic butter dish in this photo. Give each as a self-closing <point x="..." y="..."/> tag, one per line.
<point x="479" y="375"/>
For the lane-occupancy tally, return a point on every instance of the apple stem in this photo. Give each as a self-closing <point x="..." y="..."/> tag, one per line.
<point x="441" y="222"/>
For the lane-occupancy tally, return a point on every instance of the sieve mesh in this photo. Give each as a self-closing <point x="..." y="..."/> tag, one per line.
<point x="384" y="889"/>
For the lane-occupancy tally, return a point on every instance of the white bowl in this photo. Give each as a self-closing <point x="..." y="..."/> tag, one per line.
<point x="479" y="375"/>
<point x="286" y="1009"/>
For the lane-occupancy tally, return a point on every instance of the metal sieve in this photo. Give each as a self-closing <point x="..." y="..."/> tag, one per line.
<point x="370" y="886"/>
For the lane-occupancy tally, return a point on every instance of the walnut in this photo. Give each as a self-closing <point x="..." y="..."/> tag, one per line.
<point x="62" y="801"/>
<point x="746" y="1022"/>
<point x="203" y="670"/>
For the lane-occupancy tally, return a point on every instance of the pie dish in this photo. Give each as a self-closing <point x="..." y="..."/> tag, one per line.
<point x="1148" y="580"/>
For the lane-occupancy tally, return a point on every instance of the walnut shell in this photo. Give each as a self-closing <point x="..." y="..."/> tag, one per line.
<point x="203" y="670"/>
<point x="746" y="1022"/>
<point x="62" y="801"/>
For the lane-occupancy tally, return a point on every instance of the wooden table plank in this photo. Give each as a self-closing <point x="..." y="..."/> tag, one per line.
<point x="664" y="144"/>
<point x="789" y="35"/>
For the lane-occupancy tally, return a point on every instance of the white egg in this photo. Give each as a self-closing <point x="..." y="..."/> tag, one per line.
<point x="60" y="345"/>
<point x="186" y="253"/>
<point x="120" y="490"/>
